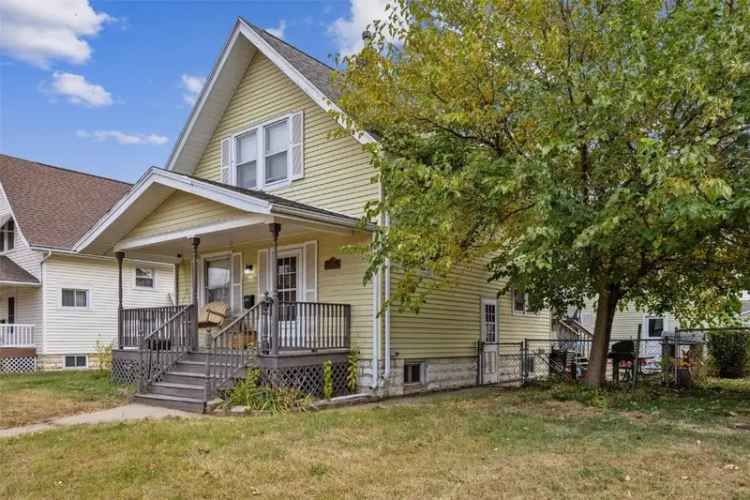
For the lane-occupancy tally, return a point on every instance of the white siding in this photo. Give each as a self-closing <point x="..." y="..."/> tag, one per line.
<point x="625" y="323"/>
<point x="77" y="330"/>
<point x="28" y="308"/>
<point x="21" y="254"/>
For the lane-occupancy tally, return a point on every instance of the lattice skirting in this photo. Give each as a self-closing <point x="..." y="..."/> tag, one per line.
<point x="125" y="371"/>
<point x="23" y="364"/>
<point x="308" y="378"/>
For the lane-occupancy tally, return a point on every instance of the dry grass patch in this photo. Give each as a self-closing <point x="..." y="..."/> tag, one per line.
<point x="34" y="398"/>
<point x="471" y="444"/>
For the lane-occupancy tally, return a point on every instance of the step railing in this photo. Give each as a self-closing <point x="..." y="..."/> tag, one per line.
<point x="15" y="335"/>
<point x="166" y="345"/>
<point x="230" y="349"/>
<point x="574" y="337"/>
<point x="138" y="322"/>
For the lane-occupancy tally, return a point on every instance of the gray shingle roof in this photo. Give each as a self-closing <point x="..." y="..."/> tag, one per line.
<point x="314" y="70"/>
<point x="13" y="273"/>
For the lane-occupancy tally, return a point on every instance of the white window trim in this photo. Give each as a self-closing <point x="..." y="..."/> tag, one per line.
<point x="260" y="164"/>
<point x="422" y="373"/>
<point x="75" y="308"/>
<point x="3" y="235"/>
<point x="154" y="274"/>
<point x="84" y="356"/>
<point x="490" y="301"/>
<point x="513" y="309"/>
<point x="202" y="276"/>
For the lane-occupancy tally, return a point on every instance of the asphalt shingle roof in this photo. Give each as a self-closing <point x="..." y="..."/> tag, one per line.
<point x="55" y="206"/>
<point x="10" y="271"/>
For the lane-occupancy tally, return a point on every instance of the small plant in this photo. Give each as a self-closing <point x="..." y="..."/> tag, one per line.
<point x="730" y="352"/>
<point x="328" y="379"/>
<point x="352" y="371"/>
<point x="256" y="397"/>
<point x="103" y="356"/>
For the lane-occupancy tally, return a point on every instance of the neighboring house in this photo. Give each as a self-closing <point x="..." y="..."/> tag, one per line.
<point x="258" y="199"/>
<point x="54" y="304"/>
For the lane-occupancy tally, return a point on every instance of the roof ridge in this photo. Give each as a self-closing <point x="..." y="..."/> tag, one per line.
<point x="255" y="26"/>
<point x="65" y="169"/>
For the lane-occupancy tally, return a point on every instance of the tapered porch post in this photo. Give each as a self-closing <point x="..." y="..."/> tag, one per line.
<point x="194" y="340"/>
<point x="119" y="256"/>
<point x="275" y="229"/>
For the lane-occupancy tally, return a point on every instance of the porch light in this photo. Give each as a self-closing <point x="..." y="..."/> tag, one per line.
<point x="249" y="269"/>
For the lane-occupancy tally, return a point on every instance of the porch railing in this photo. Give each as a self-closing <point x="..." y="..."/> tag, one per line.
<point x="141" y="321"/>
<point x="15" y="335"/>
<point x="310" y="326"/>
<point x="166" y="344"/>
<point x="229" y="350"/>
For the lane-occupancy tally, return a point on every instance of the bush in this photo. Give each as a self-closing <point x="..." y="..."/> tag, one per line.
<point x="255" y="397"/>
<point x="730" y="352"/>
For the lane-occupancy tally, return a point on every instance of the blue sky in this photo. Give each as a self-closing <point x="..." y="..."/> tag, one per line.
<point x="105" y="87"/>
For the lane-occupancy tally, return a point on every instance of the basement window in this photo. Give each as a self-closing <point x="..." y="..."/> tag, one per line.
<point x="413" y="373"/>
<point x="76" y="361"/>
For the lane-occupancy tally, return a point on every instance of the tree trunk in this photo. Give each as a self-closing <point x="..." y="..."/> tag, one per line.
<point x="605" y="312"/>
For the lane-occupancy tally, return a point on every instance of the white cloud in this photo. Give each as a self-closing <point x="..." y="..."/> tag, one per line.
<point x="348" y="31"/>
<point x="122" y="137"/>
<point x="37" y="32"/>
<point x="279" y="30"/>
<point x="79" y="91"/>
<point x="192" y="85"/>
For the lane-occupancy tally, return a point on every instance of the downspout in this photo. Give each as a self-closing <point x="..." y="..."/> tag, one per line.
<point x="43" y="274"/>
<point x="376" y="330"/>
<point x="387" y="294"/>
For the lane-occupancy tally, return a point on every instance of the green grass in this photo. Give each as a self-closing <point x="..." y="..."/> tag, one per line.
<point x="536" y="442"/>
<point x="37" y="397"/>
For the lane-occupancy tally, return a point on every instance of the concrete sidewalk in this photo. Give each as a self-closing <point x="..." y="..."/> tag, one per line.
<point x="119" y="414"/>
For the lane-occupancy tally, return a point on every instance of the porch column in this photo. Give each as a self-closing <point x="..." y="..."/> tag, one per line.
<point x="275" y="229"/>
<point x="194" y="342"/>
<point x="177" y="280"/>
<point x="120" y="256"/>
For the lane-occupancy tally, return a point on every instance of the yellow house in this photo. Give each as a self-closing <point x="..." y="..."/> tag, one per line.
<point x="253" y="209"/>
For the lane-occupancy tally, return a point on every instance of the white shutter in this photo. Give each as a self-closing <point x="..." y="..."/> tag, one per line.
<point x="297" y="132"/>
<point x="262" y="275"/>
<point x="236" y="284"/>
<point x="311" y="271"/>
<point x="226" y="160"/>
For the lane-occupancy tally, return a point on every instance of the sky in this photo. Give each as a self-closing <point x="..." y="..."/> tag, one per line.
<point x="106" y="86"/>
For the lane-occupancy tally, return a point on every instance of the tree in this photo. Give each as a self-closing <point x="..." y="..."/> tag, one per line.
<point x="597" y="150"/>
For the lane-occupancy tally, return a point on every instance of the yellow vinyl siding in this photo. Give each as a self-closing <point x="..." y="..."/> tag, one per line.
<point x="339" y="286"/>
<point x="183" y="211"/>
<point x="449" y="324"/>
<point x="337" y="170"/>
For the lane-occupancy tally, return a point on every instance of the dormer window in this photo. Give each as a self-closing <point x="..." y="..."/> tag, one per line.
<point x="265" y="155"/>
<point x="7" y="236"/>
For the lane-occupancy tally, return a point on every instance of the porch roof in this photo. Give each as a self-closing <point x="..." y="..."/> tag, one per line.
<point x="158" y="184"/>
<point x="14" y="275"/>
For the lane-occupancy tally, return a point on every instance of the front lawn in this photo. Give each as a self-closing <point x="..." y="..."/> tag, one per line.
<point x="32" y="398"/>
<point x="489" y="443"/>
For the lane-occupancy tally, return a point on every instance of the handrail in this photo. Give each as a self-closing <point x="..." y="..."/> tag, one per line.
<point x="138" y="322"/>
<point x="230" y="348"/>
<point x="166" y="344"/>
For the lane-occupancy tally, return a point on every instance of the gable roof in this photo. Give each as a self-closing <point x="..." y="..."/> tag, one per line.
<point x="53" y="206"/>
<point x="309" y="74"/>
<point x="12" y="273"/>
<point x="157" y="184"/>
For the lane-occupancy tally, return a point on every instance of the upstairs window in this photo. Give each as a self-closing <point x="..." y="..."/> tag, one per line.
<point x="264" y="156"/>
<point x="7" y="236"/>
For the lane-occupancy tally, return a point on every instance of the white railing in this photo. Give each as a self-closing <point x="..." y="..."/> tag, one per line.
<point x="12" y="335"/>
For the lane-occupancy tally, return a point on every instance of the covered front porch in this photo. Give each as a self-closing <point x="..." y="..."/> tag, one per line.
<point x="20" y="301"/>
<point x="262" y="284"/>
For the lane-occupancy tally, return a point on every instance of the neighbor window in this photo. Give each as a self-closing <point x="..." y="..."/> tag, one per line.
<point x="655" y="327"/>
<point x="77" y="361"/>
<point x="144" y="277"/>
<point x="73" y="297"/>
<point x="7" y="236"/>
<point x="412" y="373"/>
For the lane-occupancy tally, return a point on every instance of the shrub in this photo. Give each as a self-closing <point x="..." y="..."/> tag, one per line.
<point x="352" y="371"/>
<point x="328" y="379"/>
<point x="730" y="351"/>
<point x="256" y="397"/>
<point x="103" y="356"/>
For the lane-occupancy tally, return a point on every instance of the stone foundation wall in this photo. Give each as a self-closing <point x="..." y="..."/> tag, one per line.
<point x="437" y="374"/>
